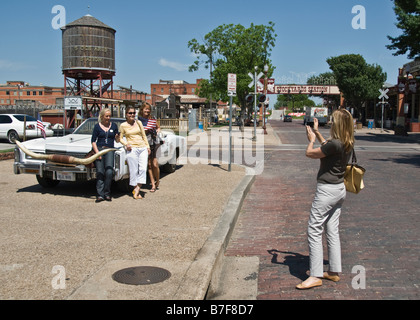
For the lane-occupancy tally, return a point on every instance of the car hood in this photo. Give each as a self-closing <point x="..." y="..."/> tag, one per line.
<point x="71" y="143"/>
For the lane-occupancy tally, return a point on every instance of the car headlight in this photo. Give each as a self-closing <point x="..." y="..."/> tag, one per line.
<point x="17" y="154"/>
<point x="117" y="160"/>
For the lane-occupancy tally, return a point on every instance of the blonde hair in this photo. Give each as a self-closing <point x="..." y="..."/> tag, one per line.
<point x="343" y="128"/>
<point x="102" y="113"/>
<point x="144" y="105"/>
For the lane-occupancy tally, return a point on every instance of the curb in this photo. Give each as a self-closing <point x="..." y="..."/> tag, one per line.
<point x="200" y="273"/>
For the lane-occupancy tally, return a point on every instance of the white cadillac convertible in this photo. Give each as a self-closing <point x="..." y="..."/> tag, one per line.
<point x="64" y="158"/>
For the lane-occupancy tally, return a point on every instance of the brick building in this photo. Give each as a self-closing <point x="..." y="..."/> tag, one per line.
<point x="186" y="94"/>
<point x="186" y="91"/>
<point x="22" y="93"/>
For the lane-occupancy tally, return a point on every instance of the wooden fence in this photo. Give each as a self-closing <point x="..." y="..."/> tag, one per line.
<point x="179" y="124"/>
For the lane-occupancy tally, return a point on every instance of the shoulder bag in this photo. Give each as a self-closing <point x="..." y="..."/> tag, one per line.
<point x="353" y="177"/>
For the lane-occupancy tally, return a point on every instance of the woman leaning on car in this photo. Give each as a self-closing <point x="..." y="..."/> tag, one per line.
<point x="134" y="139"/>
<point x="103" y="136"/>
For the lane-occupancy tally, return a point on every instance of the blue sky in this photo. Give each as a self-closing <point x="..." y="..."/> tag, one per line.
<point x="152" y="36"/>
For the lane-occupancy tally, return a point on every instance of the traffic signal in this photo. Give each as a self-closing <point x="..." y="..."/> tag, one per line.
<point x="262" y="98"/>
<point x="249" y="98"/>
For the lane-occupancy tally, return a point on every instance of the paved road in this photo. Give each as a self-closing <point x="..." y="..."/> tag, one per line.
<point x="379" y="227"/>
<point x="4" y="145"/>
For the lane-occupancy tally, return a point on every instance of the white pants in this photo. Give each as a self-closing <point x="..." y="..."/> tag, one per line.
<point x="137" y="165"/>
<point x="325" y="211"/>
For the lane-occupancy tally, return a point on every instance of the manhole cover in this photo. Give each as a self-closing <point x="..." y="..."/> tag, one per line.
<point x="141" y="275"/>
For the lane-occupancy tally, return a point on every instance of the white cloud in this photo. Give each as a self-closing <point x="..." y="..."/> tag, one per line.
<point x="173" y="65"/>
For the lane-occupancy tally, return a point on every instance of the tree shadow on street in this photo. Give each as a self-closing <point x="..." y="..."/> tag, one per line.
<point x="377" y="137"/>
<point x="412" y="159"/>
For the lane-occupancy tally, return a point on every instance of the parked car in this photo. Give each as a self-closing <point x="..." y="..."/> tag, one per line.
<point x="12" y="127"/>
<point x="77" y="145"/>
<point x="287" y="118"/>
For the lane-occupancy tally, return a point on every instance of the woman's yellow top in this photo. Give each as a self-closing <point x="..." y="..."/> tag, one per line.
<point x="134" y="135"/>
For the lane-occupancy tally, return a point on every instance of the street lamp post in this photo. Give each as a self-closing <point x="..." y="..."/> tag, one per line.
<point x="265" y="93"/>
<point x="255" y="104"/>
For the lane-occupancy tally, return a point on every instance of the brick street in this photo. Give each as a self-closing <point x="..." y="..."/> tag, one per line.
<point x="379" y="227"/>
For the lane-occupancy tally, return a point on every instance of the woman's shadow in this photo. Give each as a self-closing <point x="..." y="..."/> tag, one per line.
<point x="298" y="264"/>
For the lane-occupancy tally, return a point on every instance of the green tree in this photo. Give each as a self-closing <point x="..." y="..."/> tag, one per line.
<point x="357" y="80"/>
<point x="323" y="79"/>
<point x="408" y="16"/>
<point x="326" y="79"/>
<point x="233" y="49"/>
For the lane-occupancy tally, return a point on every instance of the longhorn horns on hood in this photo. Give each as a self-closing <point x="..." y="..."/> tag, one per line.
<point x="62" y="158"/>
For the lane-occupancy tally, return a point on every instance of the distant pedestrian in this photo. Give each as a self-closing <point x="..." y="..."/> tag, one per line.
<point x="134" y="139"/>
<point x="330" y="194"/>
<point x="103" y="136"/>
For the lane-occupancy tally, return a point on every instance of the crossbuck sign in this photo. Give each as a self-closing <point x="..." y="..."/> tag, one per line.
<point x="254" y="80"/>
<point x="383" y="93"/>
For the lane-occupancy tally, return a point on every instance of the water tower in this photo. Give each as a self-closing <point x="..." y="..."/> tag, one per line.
<point x="89" y="62"/>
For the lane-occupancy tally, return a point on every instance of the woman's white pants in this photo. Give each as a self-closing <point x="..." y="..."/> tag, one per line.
<point x="137" y="165"/>
<point x="325" y="211"/>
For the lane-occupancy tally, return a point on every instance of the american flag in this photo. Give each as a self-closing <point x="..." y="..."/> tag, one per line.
<point x="40" y="126"/>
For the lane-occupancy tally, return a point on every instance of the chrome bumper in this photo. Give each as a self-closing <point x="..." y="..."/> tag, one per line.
<point x="42" y="168"/>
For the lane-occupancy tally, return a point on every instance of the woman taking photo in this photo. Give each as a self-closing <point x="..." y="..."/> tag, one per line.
<point x="103" y="136"/>
<point x="334" y="154"/>
<point x="134" y="139"/>
<point x="152" y="130"/>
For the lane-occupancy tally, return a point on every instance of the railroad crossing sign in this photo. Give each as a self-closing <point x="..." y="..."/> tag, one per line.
<point x="254" y="80"/>
<point x="383" y="96"/>
<point x="383" y="93"/>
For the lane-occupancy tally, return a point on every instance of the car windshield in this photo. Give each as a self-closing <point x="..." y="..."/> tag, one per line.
<point x="21" y="117"/>
<point x="87" y="126"/>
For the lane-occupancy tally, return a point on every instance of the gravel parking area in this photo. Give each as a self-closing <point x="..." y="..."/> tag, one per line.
<point x="42" y="228"/>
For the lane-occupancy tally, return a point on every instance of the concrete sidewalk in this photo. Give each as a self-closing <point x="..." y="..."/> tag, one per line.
<point x="183" y="228"/>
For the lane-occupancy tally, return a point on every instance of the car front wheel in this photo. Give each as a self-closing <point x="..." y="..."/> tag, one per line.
<point x="47" y="182"/>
